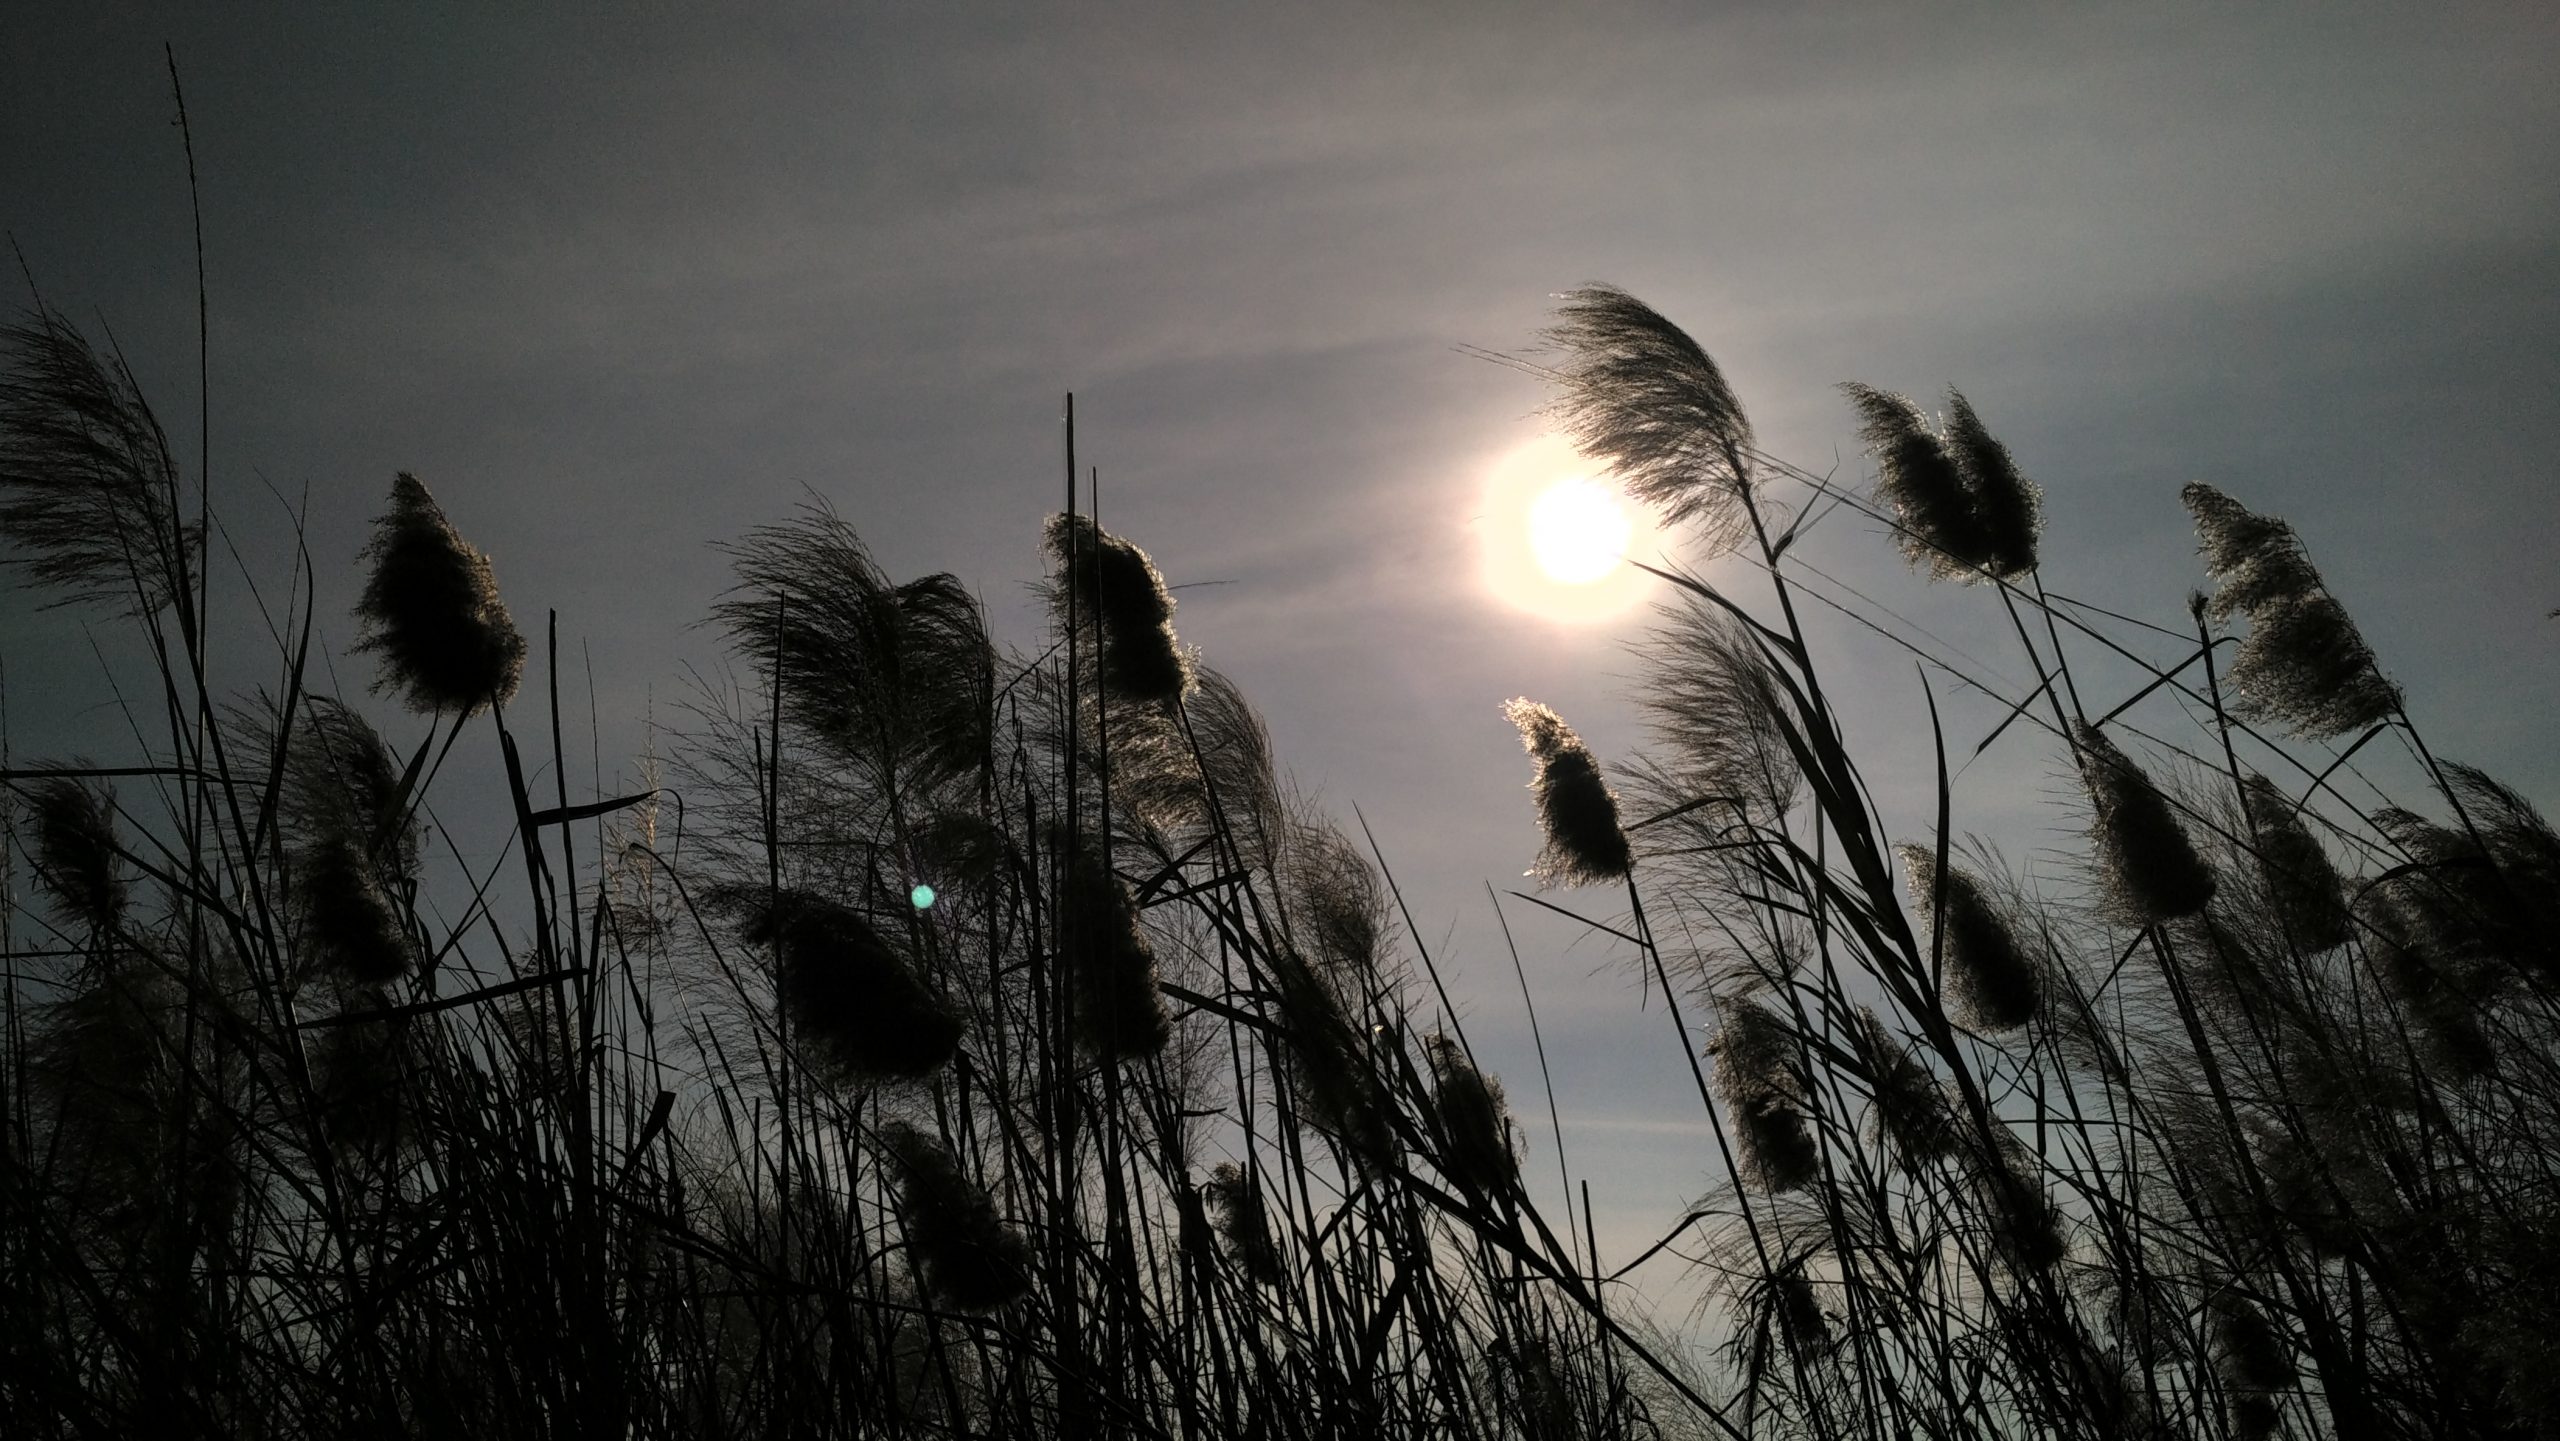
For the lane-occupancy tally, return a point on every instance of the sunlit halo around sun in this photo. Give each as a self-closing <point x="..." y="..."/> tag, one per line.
<point x="1557" y="535"/>
<point x="1578" y="530"/>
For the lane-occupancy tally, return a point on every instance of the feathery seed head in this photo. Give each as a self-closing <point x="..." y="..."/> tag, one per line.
<point x="2252" y="558"/>
<point x="2303" y="665"/>
<point x="2007" y="512"/>
<point x="356" y="1075"/>
<point x="1580" y="815"/>
<point x="1244" y="1225"/>
<point x="2255" y="1366"/>
<point x="340" y="785"/>
<point x="2151" y="870"/>
<point x="87" y="486"/>
<point x="1990" y="980"/>
<point x="1117" y="590"/>
<point x="2302" y="884"/>
<point x="350" y="924"/>
<point x="968" y="1258"/>
<point x="1916" y="475"/>
<point x="75" y="851"/>
<point x="1475" y="1124"/>
<point x="1110" y="967"/>
<point x="1328" y="1063"/>
<point x="2444" y="989"/>
<point x="1910" y="1115"/>
<point x="898" y="679"/>
<point x="1640" y="395"/>
<point x="2026" y="1229"/>
<point x="850" y="998"/>
<point x="1756" y="1076"/>
<point x="431" y="610"/>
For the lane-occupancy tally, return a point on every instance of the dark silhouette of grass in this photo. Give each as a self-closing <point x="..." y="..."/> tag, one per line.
<point x="990" y="1044"/>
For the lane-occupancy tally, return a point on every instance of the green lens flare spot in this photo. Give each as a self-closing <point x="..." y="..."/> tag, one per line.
<point x="921" y="896"/>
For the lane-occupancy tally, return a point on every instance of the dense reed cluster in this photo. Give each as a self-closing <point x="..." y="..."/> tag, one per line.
<point x="947" y="1040"/>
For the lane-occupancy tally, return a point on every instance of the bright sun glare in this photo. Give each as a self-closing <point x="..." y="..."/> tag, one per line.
<point x="1578" y="530"/>
<point x="1557" y="534"/>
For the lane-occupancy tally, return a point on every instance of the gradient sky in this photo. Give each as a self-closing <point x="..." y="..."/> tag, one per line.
<point x="620" y="283"/>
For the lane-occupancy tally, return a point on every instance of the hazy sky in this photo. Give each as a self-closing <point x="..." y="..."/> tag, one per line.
<point x="622" y="281"/>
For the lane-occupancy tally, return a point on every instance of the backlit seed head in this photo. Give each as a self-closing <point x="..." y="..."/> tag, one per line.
<point x="2150" y="869"/>
<point x="969" y="1259"/>
<point x="1575" y="806"/>
<point x="431" y="610"/>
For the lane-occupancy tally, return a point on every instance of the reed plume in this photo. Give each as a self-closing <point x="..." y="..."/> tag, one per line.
<point x="2008" y="511"/>
<point x="431" y="610"/>
<point x="342" y="785"/>
<point x="1756" y="1076"/>
<point x="896" y="678"/>
<point x="2149" y="868"/>
<point x="2485" y="895"/>
<point x="969" y="1259"/>
<point x="357" y="1075"/>
<point x="1118" y="591"/>
<point x="1936" y="525"/>
<point x="1244" y="1225"/>
<point x="1639" y="394"/>
<point x="2025" y="1227"/>
<point x="1110" y="967"/>
<point x="2303" y="888"/>
<point x="1910" y="1114"/>
<point x="350" y="925"/>
<point x="851" y="999"/>
<point x="76" y="853"/>
<point x="2303" y="665"/>
<point x="1715" y="706"/>
<point x="2255" y="1367"/>
<point x="1991" y="982"/>
<point x="1474" y="1123"/>
<point x="1337" y="910"/>
<point x="88" y="490"/>
<point x="1328" y="1063"/>
<point x="1575" y="806"/>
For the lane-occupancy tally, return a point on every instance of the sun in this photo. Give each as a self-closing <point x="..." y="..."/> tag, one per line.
<point x="1578" y="530"/>
<point x="1557" y="535"/>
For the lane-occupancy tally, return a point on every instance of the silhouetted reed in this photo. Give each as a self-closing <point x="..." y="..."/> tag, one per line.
<point x="643" y="1122"/>
<point x="1474" y="1124"/>
<point x="1634" y="391"/>
<point x="2255" y="1369"/>
<point x="1118" y="591"/>
<point x="1243" y="1225"/>
<point x="898" y="678"/>
<point x="75" y="852"/>
<point x="1910" y="1116"/>
<point x="2008" y="513"/>
<point x="1118" y="1015"/>
<point x="351" y="926"/>
<point x="431" y="611"/>
<point x="1575" y="806"/>
<point x="851" y="999"/>
<point x="88" y="490"/>
<point x="1757" y="1077"/>
<point x="2150" y="869"/>
<point x="2302" y="885"/>
<point x="2303" y="664"/>
<point x="1922" y="483"/>
<point x="1328" y="1063"/>
<point x="1990" y="979"/>
<point x="969" y="1260"/>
